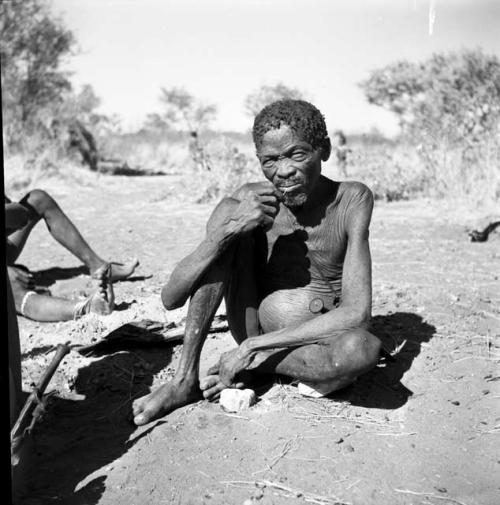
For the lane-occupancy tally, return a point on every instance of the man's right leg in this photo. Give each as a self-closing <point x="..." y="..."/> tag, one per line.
<point x="184" y="388"/>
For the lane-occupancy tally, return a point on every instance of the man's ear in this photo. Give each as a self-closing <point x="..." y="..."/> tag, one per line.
<point x="326" y="149"/>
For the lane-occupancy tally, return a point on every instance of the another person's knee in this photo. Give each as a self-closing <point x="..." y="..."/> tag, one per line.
<point x="39" y="200"/>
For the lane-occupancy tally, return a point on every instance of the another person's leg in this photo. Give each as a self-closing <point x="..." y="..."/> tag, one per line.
<point x="42" y="206"/>
<point x="41" y="307"/>
<point x="14" y="350"/>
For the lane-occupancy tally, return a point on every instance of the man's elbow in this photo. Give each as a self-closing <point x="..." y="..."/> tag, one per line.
<point x="364" y="316"/>
<point x="360" y="317"/>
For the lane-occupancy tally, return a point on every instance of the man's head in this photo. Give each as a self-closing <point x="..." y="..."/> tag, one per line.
<point x="291" y="141"/>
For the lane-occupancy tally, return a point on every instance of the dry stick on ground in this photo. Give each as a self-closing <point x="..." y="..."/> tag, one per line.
<point x="34" y="405"/>
<point x="296" y="493"/>
<point x="247" y="419"/>
<point x="287" y="446"/>
<point x="430" y="495"/>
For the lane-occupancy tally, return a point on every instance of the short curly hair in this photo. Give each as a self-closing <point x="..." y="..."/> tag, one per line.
<point x="301" y="116"/>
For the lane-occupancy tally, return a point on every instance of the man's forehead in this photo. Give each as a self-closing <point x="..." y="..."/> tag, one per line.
<point x="281" y="138"/>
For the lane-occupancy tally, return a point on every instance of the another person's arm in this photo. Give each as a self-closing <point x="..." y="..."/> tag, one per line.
<point x="252" y="206"/>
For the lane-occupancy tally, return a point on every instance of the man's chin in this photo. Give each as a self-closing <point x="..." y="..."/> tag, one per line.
<point x="294" y="201"/>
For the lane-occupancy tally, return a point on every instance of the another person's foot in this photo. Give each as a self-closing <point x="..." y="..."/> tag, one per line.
<point x="165" y="399"/>
<point x="120" y="271"/>
<point x="102" y="301"/>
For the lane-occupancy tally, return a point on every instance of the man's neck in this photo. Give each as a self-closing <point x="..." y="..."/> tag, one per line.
<point x="315" y="198"/>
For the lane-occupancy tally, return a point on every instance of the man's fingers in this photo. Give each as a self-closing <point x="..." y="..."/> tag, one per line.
<point x="270" y="210"/>
<point x="213" y="370"/>
<point x="266" y="222"/>
<point x="268" y="200"/>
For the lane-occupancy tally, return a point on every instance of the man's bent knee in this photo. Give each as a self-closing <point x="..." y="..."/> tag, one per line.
<point x="361" y="349"/>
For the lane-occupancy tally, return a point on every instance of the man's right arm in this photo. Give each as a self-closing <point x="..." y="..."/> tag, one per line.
<point x="253" y="206"/>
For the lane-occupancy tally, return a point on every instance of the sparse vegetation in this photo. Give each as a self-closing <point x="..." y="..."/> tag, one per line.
<point x="448" y="107"/>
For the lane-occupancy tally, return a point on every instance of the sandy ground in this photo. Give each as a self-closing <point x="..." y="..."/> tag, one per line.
<point x="421" y="430"/>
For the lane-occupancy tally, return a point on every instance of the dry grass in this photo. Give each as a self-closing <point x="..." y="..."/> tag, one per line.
<point x="394" y="171"/>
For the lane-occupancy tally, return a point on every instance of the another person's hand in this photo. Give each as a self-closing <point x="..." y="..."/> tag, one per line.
<point x="21" y="277"/>
<point x="258" y="205"/>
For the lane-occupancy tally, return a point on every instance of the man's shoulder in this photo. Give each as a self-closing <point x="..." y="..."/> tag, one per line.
<point x="355" y="189"/>
<point x="351" y="194"/>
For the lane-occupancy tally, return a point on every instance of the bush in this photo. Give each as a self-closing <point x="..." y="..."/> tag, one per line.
<point x="230" y="167"/>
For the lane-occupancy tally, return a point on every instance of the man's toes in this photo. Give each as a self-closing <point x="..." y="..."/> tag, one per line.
<point x="138" y="406"/>
<point x="208" y="382"/>
<point x="141" y="419"/>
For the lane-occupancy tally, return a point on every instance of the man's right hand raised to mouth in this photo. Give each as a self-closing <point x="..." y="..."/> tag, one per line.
<point x="258" y="206"/>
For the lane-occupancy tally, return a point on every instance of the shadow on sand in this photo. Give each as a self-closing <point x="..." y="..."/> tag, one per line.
<point x="381" y="387"/>
<point x="48" y="277"/>
<point x="78" y="437"/>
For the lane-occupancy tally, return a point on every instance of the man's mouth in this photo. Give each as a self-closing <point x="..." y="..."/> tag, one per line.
<point x="288" y="188"/>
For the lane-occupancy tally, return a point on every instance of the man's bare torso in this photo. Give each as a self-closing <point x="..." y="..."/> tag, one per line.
<point x="301" y="259"/>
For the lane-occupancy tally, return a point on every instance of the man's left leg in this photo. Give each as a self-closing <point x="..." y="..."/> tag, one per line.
<point x="327" y="366"/>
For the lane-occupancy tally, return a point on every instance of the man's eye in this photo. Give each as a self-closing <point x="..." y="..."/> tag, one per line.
<point x="299" y="156"/>
<point x="269" y="163"/>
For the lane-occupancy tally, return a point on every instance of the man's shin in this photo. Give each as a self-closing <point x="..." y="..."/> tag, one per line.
<point x="202" y="307"/>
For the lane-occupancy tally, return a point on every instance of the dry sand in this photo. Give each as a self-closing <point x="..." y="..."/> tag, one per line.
<point x="421" y="430"/>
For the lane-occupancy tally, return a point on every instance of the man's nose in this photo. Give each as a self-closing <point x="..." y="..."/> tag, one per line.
<point x="285" y="168"/>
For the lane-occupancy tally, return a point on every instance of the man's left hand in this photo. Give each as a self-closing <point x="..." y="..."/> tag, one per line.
<point x="231" y="363"/>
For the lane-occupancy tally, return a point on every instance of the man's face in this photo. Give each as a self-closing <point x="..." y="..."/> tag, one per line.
<point x="290" y="163"/>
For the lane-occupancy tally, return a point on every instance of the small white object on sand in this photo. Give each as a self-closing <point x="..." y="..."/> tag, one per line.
<point x="309" y="391"/>
<point x="234" y="400"/>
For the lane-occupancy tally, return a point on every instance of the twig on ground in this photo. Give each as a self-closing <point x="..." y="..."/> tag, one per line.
<point x="489" y="314"/>
<point x="352" y="484"/>
<point x="290" y="492"/>
<point x="476" y="357"/>
<point x="430" y="495"/>
<point x="287" y="447"/>
<point x="247" y="419"/>
<point x="396" y="434"/>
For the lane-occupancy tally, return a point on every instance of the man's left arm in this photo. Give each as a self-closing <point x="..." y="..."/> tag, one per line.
<point x="355" y="308"/>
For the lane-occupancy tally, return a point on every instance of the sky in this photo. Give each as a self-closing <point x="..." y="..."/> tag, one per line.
<point x="222" y="50"/>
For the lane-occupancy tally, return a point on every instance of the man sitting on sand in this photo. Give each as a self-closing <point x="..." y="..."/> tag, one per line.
<point x="292" y="259"/>
<point x="38" y="205"/>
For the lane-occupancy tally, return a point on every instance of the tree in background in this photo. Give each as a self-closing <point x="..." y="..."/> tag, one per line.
<point x="182" y="110"/>
<point x="33" y="44"/>
<point x="267" y="94"/>
<point x="452" y="97"/>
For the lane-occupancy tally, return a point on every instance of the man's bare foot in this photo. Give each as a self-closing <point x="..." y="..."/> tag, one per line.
<point x="165" y="399"/>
